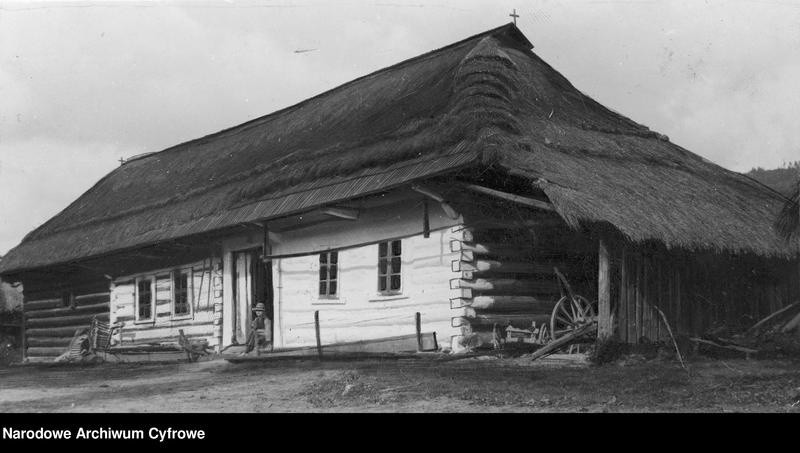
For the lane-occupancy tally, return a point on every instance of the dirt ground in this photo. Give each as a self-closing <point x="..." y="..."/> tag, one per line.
<point x="468" y="385"/>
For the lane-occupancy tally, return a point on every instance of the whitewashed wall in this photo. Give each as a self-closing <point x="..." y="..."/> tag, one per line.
<point x="360" y="312"/>
<point x="206" y="306"/>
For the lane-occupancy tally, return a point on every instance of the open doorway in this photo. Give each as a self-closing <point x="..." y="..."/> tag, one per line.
<point x="252" y="284"/>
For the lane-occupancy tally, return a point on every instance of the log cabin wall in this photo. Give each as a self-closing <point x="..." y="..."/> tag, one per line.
<point x="205" y="317"/>
<point x="506" y="267"/>
<point x="697" y="292"/>
<point x="56" y="307"/>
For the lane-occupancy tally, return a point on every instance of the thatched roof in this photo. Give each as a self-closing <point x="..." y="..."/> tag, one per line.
<point x="485" y="100"/>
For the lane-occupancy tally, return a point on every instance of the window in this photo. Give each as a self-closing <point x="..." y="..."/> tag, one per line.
<point x="144" y="299"/>
<point x="389" y="267"/>
<point x="181" y="293"/>
<point x="328" y="274"/>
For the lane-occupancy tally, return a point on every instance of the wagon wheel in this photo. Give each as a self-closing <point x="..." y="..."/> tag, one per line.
<point x="569" y="314"/>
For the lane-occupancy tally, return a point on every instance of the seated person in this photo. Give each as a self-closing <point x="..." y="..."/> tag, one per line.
<point x="260" y="327"/>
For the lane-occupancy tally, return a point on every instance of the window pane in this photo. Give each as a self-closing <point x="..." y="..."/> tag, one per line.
<point x="396" y="248"/>
<point x="396" y="265"/>
<point x="323" y="288"/>
<point x="332" y="272"/>
<point x="334" y="257"/>
<point x="323" y="272"/>
<point x="323" y="258"/>
<point x="333" y="288"/>
<point x="395" y="282"/>
<point x="382" y="266"/>
<point x="181" y="294"/>
<point x="382" y="247"/>
<point x="144" y="293"/>
<point x="381" y="284"/>
<point x="144" y="299"/>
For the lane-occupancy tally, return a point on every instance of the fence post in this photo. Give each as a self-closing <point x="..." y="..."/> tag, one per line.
<point x="418" y="317"/>
<point x="319" y="340"/>
<point x="604" y="324"/>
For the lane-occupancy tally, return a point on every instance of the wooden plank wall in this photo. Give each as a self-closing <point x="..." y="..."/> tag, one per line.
<point x="360" y="312"/>
<point x="697" y="292"/>
<point x="646" y="282"/>
<point x="205" y="322"/>
<point x="50" y="324"/>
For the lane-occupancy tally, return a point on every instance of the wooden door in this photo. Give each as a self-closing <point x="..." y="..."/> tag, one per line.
<point x="252" y="284"/>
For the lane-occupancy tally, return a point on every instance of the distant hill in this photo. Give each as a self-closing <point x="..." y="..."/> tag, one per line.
<point x="780" y="179"/>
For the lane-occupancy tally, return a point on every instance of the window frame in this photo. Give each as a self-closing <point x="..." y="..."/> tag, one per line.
<point x="152" y="318"/>
<point x="328" y="295"/>
<point x="387" y="277"/>
<point x="189" y="293"/>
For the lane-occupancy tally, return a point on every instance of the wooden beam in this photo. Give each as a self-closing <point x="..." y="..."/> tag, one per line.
<point x="524" y="304"/>
<point x="495" y="249"/>
<point x="522" y="320"/>
<point x="428" y="192"/>
<point x="746" y="351"/>
<point x="485" y="267"/>
<point x="342" y="213"/>
<point x="319" y="340"/>
<point x="754" y="330"/>
<point x="432" y="194"/>
<point x="55" y="312"/>
<point x="45" y="351"/>
<point x="553" y="346"/>
<point x="604" y="325"/>
<point x="449" y="211"/>
<point x="34" y="305"/>
<point x="49" y="341"/>
<point x="526" y="201"/>
<point x="55" y="331"/>
<point x="426" y="221"/>
<point x="60" y="321"/>
<point x="511" y="287"/>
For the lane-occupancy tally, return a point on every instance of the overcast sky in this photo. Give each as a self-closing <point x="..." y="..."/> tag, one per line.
<point x="85" y="83"/>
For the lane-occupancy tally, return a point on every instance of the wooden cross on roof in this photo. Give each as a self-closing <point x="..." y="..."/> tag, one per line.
<point x="514" y="15"/>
